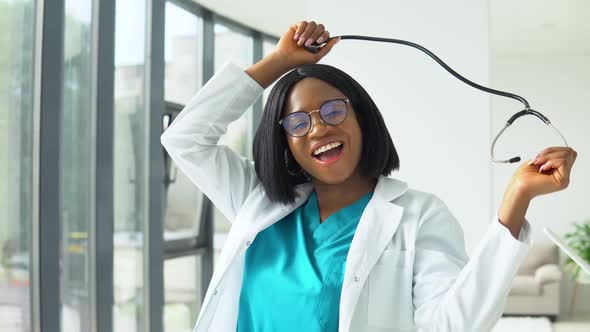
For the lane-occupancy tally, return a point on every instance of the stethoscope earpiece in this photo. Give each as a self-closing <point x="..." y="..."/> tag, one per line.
<point x="315" y="48"/>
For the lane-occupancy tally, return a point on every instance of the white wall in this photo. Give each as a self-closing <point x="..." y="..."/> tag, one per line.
<point x="558" y="87"/>
<point x="438" y="124"/>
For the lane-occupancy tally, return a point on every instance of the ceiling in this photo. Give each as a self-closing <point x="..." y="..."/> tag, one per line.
<point x="523" y="27"/>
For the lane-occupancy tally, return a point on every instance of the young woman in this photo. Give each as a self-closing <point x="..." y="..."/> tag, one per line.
<point x="322" y="239"/>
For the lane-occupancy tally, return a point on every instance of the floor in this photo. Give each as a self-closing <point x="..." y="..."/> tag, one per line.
<point x="580" y="323"/>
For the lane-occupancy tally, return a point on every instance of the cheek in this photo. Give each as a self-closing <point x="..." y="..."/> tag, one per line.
<point x="297" y="150"/>
<point x="356" y="138"/>
<point x="357" y="143"/>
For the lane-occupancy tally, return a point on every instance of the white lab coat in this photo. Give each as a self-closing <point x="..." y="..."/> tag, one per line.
<point x="406" y="269"/>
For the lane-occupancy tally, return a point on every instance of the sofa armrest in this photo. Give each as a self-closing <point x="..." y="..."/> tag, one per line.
<point x="548" y="273"/>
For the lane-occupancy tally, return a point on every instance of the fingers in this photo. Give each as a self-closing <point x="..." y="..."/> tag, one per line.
<point x="561" y="159"/>
<point x="326" y="48"/>
<point x="307" y="32"/>
<point x="319" y="30"/>
<point x="323" y="37"/>
<point x="300" y="28"/>
<point x="311" y="33"/>
<point x="554" y="152"/>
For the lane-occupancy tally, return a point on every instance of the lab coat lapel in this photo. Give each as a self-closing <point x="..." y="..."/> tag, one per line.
<point x="257" y="214"/>
<point x="376" y="228"/>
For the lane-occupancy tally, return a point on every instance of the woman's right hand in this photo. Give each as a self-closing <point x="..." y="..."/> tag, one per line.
<point x="292" y="50"/>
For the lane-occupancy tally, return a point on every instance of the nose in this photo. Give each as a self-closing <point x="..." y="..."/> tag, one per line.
<point x="318" y="120"/>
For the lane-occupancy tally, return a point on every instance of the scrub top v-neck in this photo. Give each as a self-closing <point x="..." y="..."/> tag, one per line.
<point x="294" y="269"/>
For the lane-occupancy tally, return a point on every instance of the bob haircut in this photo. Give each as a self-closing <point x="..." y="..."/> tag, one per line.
<point x="378" y="156"/>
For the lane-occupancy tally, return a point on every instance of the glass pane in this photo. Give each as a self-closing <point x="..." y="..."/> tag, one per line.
<point x="267" y="47"/>
<point x="182" y="211"/>
<point x="182" y="293"/>
<point x="130" y="190"/>
<point x="75" y="168"/>
<point x="183" y="57"/>
<point x="182" y="54"/>
<point x="237" y="47"/>
<point x="16" y="152"/>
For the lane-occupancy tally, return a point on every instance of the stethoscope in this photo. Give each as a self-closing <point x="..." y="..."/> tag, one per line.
<point x="315" y="47"/>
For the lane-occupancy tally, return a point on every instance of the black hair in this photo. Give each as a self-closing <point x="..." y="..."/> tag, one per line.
<point x="378" y="157"/>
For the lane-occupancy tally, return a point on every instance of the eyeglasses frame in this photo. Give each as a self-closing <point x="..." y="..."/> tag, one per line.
<point x="345" y="100"/>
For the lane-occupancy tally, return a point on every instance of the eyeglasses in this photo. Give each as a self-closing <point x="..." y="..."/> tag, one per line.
<point x="332" y="112"/>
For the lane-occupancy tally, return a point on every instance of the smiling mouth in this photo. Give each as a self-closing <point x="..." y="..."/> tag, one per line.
<point x="329" y="156"/>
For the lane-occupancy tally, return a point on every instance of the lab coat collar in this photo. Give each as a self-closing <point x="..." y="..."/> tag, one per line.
<point x="375" y="230"/>
<point x="378" y="224"/>
<point x="386" y="190"/>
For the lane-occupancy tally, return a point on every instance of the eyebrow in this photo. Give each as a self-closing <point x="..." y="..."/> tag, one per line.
<point x="325" y="101"/>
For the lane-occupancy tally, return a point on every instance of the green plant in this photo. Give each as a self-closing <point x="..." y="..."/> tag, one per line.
<point x="579" y="240"/>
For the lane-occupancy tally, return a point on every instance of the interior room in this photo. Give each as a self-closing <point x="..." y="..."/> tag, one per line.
<point x="106" y="224"/>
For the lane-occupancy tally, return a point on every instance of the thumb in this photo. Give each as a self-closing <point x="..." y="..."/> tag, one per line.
<point x="326" y="48"/>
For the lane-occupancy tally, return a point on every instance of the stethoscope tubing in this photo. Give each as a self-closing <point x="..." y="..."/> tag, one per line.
<point x="315" y="47"/>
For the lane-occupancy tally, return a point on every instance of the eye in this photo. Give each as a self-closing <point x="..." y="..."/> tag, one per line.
<point x="299" y="125"/>
<point x="335" y="112"/>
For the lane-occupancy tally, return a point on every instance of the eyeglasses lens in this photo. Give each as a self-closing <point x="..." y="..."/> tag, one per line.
<point x="332" y="112"/>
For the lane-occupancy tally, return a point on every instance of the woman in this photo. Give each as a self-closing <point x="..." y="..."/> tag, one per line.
<point x="321" y="238"/>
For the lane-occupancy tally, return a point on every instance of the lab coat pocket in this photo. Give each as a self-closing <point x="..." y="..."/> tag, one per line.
<point x="328" y="303"/>
<point x="390" y="290"/>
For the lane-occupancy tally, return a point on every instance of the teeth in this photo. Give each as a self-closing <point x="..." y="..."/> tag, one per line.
<point x="326" y="147"/>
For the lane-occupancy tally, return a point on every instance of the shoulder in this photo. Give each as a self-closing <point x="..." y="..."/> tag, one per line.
<point x="419" y="199"/>
<point x="424" y="207"/>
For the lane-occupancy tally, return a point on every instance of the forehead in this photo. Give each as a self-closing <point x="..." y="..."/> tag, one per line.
<point x="309" y="94"/>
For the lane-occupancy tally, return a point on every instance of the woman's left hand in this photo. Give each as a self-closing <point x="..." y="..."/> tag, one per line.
<point x="547" y="173"/>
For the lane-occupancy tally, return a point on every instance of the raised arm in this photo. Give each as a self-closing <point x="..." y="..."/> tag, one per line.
<point x="226" y="177"/>
<point x="454" y="293"/>
<point x="191" y="140"/>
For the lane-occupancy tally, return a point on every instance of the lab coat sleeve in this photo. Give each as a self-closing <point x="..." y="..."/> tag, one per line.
<point x="224" y="176"/>
<point x="452" y="292"/>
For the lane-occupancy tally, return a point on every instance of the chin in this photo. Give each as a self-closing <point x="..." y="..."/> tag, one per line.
<point x="334" y="178"/>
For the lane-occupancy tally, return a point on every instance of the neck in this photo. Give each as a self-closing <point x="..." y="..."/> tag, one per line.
<point x="333" y="197"/>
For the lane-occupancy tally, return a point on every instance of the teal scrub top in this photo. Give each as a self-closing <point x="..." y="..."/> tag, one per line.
<point x="294" y="269"/>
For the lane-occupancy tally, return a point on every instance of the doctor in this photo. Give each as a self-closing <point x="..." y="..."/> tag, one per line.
<point x="321" y="238"/>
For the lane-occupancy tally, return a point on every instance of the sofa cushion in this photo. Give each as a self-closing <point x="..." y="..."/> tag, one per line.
<point x="539" y="254"/>
<point x="525" y="285"/>
<point x="548" y="273"/>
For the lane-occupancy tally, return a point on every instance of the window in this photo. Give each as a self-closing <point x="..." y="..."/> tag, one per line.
<point x="75" y="166"/>
<point x="16" y="161"/>
<point x="183" y="61"/>
<point x="183" y="54"/>
<point x="182" y="293"/>
<point x="130" y="167"/>
<point x="231" y="44"/>
<point x="183" y="74"/>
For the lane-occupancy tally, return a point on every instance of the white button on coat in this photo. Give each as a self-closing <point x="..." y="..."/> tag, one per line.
<point x="407" y="256"/>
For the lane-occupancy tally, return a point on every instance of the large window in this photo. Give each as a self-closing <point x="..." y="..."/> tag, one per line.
<point x="130" y="167"/>
<point x="182" y="293"/>
<point x="183" y="77"/>
<point x="232" y="44"/>
<point x="63" y="199"/>
<point x="183" y="54"/>
<point x="16" y="154"/>
<point x="183" y="58"/>
<point x="75" y="165"/>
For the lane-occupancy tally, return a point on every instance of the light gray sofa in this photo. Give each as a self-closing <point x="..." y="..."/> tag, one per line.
<point x="535" y="289"/>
